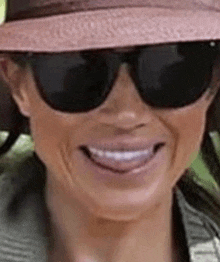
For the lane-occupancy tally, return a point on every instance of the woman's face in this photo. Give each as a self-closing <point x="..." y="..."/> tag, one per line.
<point x="58" y="136"/>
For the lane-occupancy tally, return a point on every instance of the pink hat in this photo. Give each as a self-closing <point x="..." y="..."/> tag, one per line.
<point x="66" y="25"/>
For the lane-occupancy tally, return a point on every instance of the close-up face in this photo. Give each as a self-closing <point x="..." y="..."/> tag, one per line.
<point x="59" y="136"/>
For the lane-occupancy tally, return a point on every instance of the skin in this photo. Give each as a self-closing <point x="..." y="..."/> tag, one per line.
<point x="97" y="221"/>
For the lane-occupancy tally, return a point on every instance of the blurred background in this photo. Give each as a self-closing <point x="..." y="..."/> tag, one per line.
<point x="24" y="145"/>
<point x="2" y="10"/>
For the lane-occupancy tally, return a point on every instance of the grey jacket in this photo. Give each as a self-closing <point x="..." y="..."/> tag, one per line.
<point x="24" y="219"/>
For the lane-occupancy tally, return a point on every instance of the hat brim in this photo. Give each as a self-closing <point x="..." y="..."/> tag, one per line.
<point x="109" y="29"/>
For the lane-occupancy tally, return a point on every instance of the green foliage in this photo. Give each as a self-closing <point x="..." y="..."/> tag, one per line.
<point x="2" y="10"/>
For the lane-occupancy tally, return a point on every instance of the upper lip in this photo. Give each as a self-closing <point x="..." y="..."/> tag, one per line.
<point x="125" y="143"/>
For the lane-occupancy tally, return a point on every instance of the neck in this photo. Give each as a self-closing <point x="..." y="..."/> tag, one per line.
<point x="80" y="236"/>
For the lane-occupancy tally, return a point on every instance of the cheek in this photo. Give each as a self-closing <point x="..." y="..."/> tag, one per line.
<point x="187" y="129"/>
<point x="191" y="135"/>
<point x="52" y="133"/>
<point x="49" y="135"/>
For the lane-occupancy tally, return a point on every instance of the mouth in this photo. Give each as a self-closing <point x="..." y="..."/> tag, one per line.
<point x="120" y="166"/>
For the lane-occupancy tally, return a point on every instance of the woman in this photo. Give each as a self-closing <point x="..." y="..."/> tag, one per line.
<point x="92" y="78"/>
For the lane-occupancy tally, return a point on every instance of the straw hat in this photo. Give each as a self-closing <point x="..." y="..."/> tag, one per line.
<point x="65" y="25"/>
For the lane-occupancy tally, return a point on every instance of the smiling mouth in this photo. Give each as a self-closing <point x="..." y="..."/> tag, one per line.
<point x="121" y="166"/>
<point x="87" y="152"/>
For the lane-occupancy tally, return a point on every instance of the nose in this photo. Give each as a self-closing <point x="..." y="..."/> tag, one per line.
<point x="124" y="107"/>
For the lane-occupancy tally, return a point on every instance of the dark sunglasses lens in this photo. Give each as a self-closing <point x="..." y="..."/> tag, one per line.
<point x="167" y="76"/>
<point x="72" y="83"/>
<point x="171" y="76"/>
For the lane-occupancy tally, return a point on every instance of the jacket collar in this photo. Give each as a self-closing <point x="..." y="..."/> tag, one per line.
<point x="202" y="233"/>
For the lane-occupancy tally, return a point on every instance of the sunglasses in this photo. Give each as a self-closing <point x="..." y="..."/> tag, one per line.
<point x="166" y="76"/>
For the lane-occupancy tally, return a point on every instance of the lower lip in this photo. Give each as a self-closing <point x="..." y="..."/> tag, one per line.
<point x="139" y="172"/>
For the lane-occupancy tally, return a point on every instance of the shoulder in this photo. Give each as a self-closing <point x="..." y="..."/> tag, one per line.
<point x="23" y="215"/>
<point x="201" y="199"/>
<point x="21" y="189"/>
<point x="200" y="212"/>
<point x="22" y="177"/>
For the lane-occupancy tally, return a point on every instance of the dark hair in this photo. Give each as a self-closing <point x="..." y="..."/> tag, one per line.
<point x="19" y="122"/>
<point x="20" y="58"/>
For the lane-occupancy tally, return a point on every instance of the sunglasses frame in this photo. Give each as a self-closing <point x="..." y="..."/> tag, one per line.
<point x="122" y="57"/>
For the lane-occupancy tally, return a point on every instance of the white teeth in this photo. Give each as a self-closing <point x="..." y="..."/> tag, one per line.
<point x="121" y="155"/>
